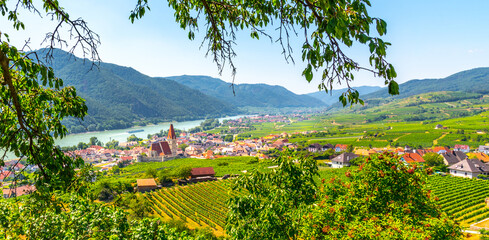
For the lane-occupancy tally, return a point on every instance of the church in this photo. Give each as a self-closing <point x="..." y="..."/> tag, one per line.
<point x="162" y="150"/>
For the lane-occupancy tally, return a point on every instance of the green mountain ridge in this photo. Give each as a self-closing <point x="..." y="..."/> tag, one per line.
<point x="473" y="80"/>
<point x="247" y="95"/>
<point x="331" y="97"/>
<point x="120" y="97"/>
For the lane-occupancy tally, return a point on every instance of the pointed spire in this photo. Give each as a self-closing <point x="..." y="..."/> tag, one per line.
<point x="171" y="133"/>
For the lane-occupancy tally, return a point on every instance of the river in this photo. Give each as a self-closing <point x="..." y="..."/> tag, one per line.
<point x="122" y="134"/>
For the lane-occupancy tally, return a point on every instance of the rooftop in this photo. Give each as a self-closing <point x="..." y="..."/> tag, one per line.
<point x="150" y="182"/>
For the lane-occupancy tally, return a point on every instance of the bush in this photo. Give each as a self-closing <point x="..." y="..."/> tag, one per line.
<point x="384" y="199"/>
<point x="252" y="161"/>
<point x="182" y="172"/>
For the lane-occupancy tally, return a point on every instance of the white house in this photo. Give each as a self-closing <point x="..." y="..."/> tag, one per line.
<point x="484" y="149"/>
<point x="343" y="160"/>
<point x="462" y="148"/>
<point x="469" y="168"/>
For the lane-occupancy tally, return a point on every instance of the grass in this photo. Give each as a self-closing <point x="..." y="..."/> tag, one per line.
<point x="222" y="166"/>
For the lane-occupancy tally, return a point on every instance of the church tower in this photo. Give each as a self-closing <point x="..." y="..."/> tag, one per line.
<point x="172" y="141"/>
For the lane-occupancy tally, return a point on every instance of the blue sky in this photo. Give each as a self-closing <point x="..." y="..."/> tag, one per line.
<point x="430" y="39"/>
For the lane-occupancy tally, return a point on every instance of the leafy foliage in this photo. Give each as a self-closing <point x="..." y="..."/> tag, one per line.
<point x="77" y="218"/>
<point x="383" y="199"/>
<point x="328" y="27"/>
<point x="33" y="104"/>
<point x="270" y="207"/>
<point x="433" y="159"/>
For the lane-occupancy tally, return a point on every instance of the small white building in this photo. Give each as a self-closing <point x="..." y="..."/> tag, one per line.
<point x="461" y="148"/>
<point x="484" y="149"/>
<point x="469" y="168"/>
<point x="343" y="160"/>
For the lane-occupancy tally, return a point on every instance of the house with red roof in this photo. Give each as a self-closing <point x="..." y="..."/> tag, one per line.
<point x="18" y="191"/>
<point x="14" y="165"/>
<point x="412" y="158"/>
<point x="440" y="150"/>
<point x="461" y="148"/>
<point x="422" y="152"/>
<point x="340" y="147"/>
<point x="209" y="154"/>
<point x="6" y="174"/>
<point x="126" y="158"/>
<point x="202" y="174"/>
<point x="96" y="147"/>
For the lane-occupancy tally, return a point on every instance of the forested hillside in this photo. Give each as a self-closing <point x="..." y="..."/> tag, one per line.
<point x="119" y="97"/>
<point x="252" y="95"/>
<point x="332" y="96"/>
<point x="474" y="80"/>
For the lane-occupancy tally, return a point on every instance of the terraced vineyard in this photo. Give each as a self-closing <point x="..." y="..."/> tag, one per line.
<point x="463" y="198"/>
<point x="198" y="205"/>
<point x="203" y="204"/>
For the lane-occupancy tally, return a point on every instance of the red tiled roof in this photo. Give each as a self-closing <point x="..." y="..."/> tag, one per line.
<point x="19" y="191"/>
<point x="96" y="147"/>
<point x="5" y="174"/>
<point x="14" y="163"/>
<point x="341" y="146"/>
<point x="422" y="152"/>
<point x="413" y="158"/>
<point x="161" y="148"/>
<point x="171" y="133"/>
<point x="437" y="149"/>
<point x="462" y="146"/>
<point x="125" y="158"/>
<point x="205" y="171"/>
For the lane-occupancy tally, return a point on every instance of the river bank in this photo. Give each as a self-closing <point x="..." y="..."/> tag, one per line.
<point x="122" y="134"/>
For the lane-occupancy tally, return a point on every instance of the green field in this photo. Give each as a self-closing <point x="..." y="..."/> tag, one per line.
<point x="410" y="121"/>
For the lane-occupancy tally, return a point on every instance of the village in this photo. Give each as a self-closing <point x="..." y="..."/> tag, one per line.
<point x="458" y="160"/>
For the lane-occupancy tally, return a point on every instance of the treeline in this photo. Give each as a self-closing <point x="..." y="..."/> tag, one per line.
<point x="164" y="133"/>
<point x="208" y="124"/>
<point x="91" y="124"/>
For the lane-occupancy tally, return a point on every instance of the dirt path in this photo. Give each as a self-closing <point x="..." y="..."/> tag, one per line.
<point x="395" y="139"/>
<point x="449" y="104"/>
<point x="435" y="142"/>
<point x="314" y="139"/>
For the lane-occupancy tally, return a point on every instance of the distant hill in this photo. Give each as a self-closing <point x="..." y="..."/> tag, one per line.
<point x="119" y="97"/>
<point x="331" y="97"/>
<point x="253" y="95"/>
<point x="474" y="80"/>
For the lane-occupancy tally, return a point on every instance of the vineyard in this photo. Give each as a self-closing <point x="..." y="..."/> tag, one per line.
<point x="461" y="197"/>
<point x="198" y="205"/>
<point x="204" y="204"/>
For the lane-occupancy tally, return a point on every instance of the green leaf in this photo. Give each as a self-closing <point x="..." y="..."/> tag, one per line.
<point x="308" y="73"/>
<point x="393" y="88"/>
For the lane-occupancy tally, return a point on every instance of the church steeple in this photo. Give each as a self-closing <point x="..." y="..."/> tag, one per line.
<point x="172" y="141"/>
<point x="171" y="133"/>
